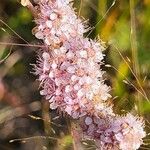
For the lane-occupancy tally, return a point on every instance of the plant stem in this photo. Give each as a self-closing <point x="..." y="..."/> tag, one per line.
<point x="134" y="49"/>
<point x="76" y="135"/>
<point x="133" y="39"/>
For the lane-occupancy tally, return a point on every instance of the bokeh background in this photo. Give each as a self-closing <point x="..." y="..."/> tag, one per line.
<point x="26" y="123"/>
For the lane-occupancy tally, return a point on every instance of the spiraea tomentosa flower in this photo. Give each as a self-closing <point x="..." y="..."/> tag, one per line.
<point x="69" y="70"/>
<point x="71" y="78"/>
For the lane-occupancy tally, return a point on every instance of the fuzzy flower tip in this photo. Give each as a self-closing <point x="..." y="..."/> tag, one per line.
<point x="119" y="133"/>
<point x="57" y="22"/>
<point x="71" y="78"/>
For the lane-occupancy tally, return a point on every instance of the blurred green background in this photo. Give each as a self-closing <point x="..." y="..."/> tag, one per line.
<point x="125" y="27"/>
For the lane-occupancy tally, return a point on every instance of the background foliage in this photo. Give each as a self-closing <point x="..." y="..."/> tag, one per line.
<point x="25" y="119"/>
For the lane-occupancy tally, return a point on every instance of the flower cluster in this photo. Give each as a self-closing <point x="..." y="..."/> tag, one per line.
<point x="57" y="22"/>
<point x="70" y="71"/>
<point x="71" y="78"/>
<point x="114" y="133"/>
